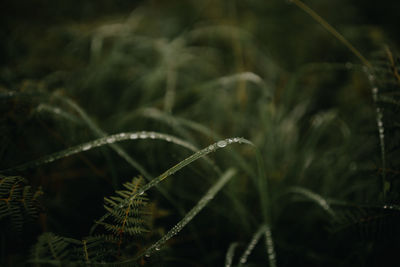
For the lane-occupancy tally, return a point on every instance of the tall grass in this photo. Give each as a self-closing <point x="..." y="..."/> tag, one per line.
<point x="287" y="146"/>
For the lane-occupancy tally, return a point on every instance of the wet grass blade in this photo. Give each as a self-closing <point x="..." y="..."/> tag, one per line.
<point x="199" y="154"/>
<point x="193" y="212"/>
<point x="98" y="143"/>
<point x="230" y="254"/>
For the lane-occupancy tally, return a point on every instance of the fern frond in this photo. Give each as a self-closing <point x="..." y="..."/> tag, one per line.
<point x="126" y="215"/>
<point x="51" y="247"/>
<point x="18" y="203"/>
<point x="56" y="250"/>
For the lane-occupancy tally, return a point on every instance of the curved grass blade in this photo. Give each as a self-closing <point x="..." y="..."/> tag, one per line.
<point x="269" y="243"/>
<point x="381" y="129"/>
<point x="252" y="244"/>
<point x="177" y="122"/>
<point x="120" y="151"/>
<point x="319" y="200"/>
<point x="101" y="133"/>
<point x="241" y="76"/>
<point x="180" y="124"/>
<point x="57" y="112"/>
<point x="193" y="212"/>
<point x="230" y="254"/>
<point x="331" y="30"/>
<point x="101" y="142"/>
<point x="199" y="154"/>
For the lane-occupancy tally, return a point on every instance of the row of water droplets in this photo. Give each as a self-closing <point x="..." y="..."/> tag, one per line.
<point x="230" y="254"/>
<point x="101" y="142"/>
<point x="391" y="207"/>
<point x="193" y="212"/>
<point x="251" y="245"/>
<point x="199" y="154"/>
<point x="269" y="243"/>
<point x="322" y="202"/>
<point x="379" y="121"/>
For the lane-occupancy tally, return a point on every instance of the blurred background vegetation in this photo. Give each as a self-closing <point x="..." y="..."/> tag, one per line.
<point x="72" y="71"/>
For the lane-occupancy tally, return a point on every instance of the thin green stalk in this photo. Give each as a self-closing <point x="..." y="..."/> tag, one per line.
<point x="193" y="212"/>
<point x="331" y="30"/>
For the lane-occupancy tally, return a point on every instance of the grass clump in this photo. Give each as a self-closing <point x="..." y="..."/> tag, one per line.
<point x="254" y="145"/>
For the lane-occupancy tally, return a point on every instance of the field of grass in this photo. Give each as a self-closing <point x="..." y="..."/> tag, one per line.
<point x="199" y="133"/>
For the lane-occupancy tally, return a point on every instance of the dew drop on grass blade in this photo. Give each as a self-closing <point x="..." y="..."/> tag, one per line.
<point x="193" y="212"/>
<point x="319" y="200"/>
<point x="264" y="229"/>
<point x="269" y="243"/>
<point x="230" y="254"/>
<point x="251" y="245"/>
<point x="199" y="154"/>
<point x="98" y="143"/>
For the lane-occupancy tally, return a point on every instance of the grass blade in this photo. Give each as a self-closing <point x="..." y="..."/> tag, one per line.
<point x="230" y="254"/>
<point x="269" y="243"/>
<point x="250" y="247"/>
<point x="193" y="212"/>
<point x="319" y="200"/>
<point x="98" y="143"/>
<point x="199" y="154"/>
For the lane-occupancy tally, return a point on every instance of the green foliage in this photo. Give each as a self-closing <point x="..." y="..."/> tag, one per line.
<point x="19" y="204"/>
<point x="125" y="217"/>
<point x="127" y="213"/>
<point x="53" y="250"/>
<point x="271" y="133"/>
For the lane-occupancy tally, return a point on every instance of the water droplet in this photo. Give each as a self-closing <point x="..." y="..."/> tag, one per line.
<point x="147" y="255"/>
<point x="110" y="140"/>
<point x="141" y="193"/>
<point x="121" y="135"/>
<point x="86" y="147"/>
<point x="168" y="139"/>
<point x="133" y="136"/>
<point x="243" y="261"/>
<point x="375" y="90"/>
<point x="349" y="65"/>
<point x="211" y="148"/>
<point x="143" y="135"/>
<point x="152" y="135"/>
<point x="230" y="141"/>
<point x="157" y="248"/>
<point x="221" y="144"/>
